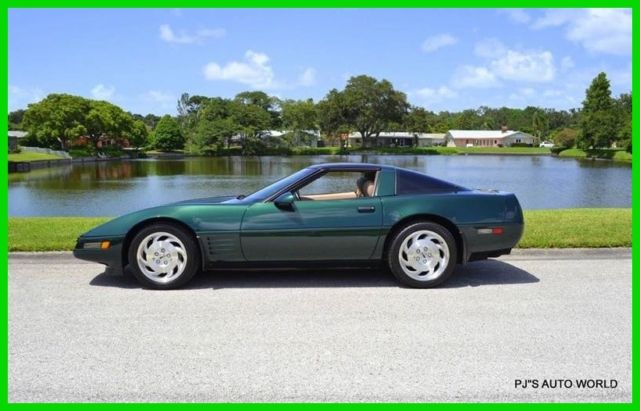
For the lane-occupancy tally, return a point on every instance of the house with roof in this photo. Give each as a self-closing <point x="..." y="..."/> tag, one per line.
<point x="15" y="137"/>
<point x="487" y="138"/>
<point x="399" y="139"/>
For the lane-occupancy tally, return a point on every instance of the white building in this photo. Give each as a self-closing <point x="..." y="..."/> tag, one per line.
<point x="399" y="139"/>
<point x="487" y="138"/>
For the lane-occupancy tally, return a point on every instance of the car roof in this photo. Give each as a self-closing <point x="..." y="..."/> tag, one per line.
<point x="352" y="166"/>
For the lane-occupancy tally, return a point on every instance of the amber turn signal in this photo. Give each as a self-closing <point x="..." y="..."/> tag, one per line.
<point x="104" y="245"/>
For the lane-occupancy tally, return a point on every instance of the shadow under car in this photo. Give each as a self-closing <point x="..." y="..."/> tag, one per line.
<point x="478" y="273"/>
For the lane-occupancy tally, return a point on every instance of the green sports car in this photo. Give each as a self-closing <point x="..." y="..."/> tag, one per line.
<point x="336" y="214"/>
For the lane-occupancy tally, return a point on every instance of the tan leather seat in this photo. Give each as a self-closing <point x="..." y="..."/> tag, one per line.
<point x="369" y="188"/>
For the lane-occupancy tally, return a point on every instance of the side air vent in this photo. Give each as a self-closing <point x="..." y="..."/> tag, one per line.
<point x="223" y="247"/>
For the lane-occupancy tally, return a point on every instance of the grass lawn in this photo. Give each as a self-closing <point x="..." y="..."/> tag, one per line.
<point x="48" y="233"/>
<point x="612" y="154"/>
<point x="566" y="228"/>
<point x="573" y="152"/>
<point x="29" y="156"/>
<point x="577" y="227"/>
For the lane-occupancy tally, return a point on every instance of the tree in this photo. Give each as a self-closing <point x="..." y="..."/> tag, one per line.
<point x="57" y="119"/>
<point x="417" y="120"/>
<point x="366" y="105"/>
<point x="300" y="117"/>
<point x="540" y="124"/>
<point x="214" y="125"/>
<point x="188" y="108"/>
<point x="598" y="115"/>
<point x="15" y="119"/>
<point x="106" y="119"/>
<point x="623" y="114"/>
<point x="566" y="137"/>
<point x="168" y="135"/>
<point x="261" y="99"/>
<point x="138" y="134"/>
<point x="251" y="121"/>
<point x="331" y="116"/>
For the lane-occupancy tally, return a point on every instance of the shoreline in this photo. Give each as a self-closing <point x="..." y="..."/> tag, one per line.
<point x="26" y="166"/>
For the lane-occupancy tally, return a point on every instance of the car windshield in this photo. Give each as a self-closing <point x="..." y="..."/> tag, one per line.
<point x="273" y="188"/>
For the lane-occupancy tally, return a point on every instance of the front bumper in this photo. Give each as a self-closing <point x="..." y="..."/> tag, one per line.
<point x="112" y="257"/>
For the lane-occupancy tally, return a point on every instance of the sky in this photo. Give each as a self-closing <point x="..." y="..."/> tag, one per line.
<point x="443" y="59"/>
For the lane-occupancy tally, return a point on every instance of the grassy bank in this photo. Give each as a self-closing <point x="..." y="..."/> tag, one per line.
<point x="433" y="150"/>
<point x="603" y="154"/>
<point x="577" y="227"/>
<point x="29" y="156"/>
<point x="48" y="233"/>
<point x="566" y="228"/>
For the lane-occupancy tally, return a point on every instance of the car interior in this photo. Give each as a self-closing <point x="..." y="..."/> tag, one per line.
<point x="354" y="185"/>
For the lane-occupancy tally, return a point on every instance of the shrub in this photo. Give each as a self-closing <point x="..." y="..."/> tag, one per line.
<point x="566" y="137"/>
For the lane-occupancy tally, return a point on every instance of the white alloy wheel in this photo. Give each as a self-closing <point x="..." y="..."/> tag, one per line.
<point x="161" y="257"/>
<point x="424" y="255"/>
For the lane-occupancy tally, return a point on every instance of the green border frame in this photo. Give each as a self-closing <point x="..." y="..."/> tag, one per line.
<point x="4" y="20"/>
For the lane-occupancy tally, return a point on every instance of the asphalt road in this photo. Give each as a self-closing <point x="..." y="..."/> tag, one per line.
<point x="77" y="334"/>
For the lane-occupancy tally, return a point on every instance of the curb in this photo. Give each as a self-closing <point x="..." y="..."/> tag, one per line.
<point x="516" y="254"/>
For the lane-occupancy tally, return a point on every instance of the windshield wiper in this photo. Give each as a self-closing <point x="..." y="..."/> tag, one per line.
<point x="240" y="197"/>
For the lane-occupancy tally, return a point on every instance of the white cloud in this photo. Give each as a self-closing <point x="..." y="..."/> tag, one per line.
<point x="489" y="48"/>
<point x="102" y="92"/>
<point x="516" y="15"/>
<point x="503" y="63"/>
<point x="167" y="34"/>
<point x="254" y="71"/>
<point x="438" y="41"/>
<point x="435" y="94"/>
<point x="20" y="97"/>
<point x="160" y="99"/>
<point x="523" y="93"/>
<point x="308" y="77"/>
<point x="621" y="78"/>
<point x="474" y="77"/>
<point x="597" y="30"/>
<point x="159" y="96"/>
<point x="566" y="63"/>
<point x="534" y="66"/>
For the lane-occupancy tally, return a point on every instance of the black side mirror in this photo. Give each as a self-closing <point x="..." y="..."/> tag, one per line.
<point x="285" y="201"/>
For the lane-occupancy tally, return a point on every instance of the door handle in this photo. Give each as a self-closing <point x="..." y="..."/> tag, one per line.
<point x="366" y="209"/>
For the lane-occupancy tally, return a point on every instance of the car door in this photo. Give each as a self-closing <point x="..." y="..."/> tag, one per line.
<point x="346" y="229"/>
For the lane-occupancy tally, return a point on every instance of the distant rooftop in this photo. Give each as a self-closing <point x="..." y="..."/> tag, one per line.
<point x="17" y="133"/>
<point x="482" y="133"/>
<point x="402" y="134"/>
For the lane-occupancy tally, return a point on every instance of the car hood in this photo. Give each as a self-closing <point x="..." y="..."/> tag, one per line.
<point x="119" y="226"/>
<point x="207" y="200"/>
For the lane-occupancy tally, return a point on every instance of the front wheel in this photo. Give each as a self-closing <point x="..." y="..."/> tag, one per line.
<point x="422" y="255"/>
<point x="163" y="256"/>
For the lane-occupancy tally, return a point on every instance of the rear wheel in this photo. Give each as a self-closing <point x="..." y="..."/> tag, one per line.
<point x="422" y="255"/>
<point x="163" y="256"/>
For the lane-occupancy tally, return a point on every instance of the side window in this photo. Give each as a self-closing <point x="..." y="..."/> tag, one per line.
<point x="340" y="185"/>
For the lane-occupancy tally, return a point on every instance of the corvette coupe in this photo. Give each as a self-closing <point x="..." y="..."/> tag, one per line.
<point x="336" y="214"/>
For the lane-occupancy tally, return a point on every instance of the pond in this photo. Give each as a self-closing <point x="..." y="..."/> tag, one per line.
<point x="117" y="187"/>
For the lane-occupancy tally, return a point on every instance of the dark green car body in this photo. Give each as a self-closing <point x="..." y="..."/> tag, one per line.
<point x="256" y="230"/>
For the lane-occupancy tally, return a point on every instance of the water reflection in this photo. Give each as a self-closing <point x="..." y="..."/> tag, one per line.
<point x="112" y="188"/>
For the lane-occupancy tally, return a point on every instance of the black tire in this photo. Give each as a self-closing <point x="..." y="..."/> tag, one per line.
<point x="193" y="260"/>
<point x="394" y="259"/>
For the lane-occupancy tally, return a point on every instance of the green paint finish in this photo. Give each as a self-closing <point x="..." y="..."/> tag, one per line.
<point x="256" y="229"/>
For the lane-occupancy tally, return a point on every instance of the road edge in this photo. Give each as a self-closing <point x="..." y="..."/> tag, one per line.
<point x="518" y="253"/>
